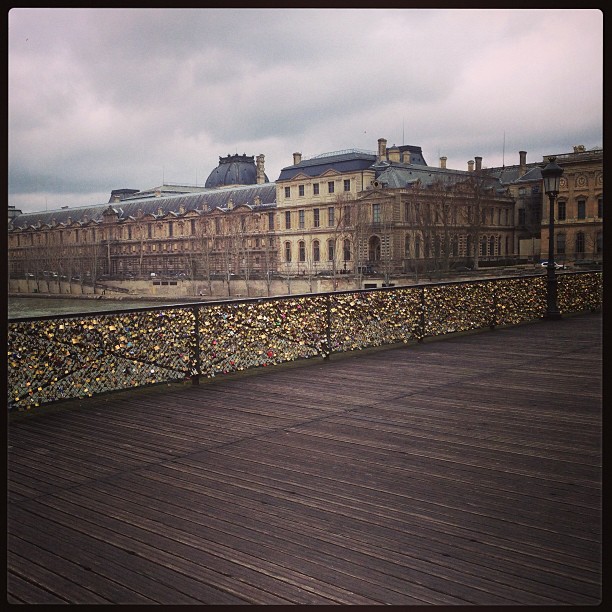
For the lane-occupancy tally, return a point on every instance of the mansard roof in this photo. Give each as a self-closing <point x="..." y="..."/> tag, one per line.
<point x="341" y="161"/>
<point x="349" y="160"/>
<point x="512" y="174"/>
<point x="207" y="199"/>
<point x="395" y="175"/>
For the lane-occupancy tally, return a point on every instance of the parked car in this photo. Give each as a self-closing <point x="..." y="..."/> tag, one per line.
<point x="558" y="266"/>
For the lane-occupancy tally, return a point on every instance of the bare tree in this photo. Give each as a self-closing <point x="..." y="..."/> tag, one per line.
<point x="204" y="248"/>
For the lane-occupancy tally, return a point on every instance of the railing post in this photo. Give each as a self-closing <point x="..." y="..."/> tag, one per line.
<point x="195" y="376"/>
<point x="494" y="311"/>
<point x="328" y="326"/>
<point x="422" y="314"/>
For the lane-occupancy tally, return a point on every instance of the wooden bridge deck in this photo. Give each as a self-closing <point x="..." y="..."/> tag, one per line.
<point x="461" y="471"/>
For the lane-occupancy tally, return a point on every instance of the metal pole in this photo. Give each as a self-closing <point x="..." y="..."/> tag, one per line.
<point x="195" y="376"/>
<point x="552" y="311"/>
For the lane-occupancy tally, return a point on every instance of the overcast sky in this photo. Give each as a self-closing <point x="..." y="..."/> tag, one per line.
<point x="103" y="99"/>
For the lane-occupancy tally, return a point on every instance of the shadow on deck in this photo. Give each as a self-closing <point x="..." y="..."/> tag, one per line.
<point x="463" y="471"/>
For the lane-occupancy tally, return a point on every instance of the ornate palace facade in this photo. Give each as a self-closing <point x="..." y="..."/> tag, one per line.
<point x="348" y="212"/>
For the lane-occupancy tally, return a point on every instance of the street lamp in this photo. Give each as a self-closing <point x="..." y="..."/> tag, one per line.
<point x="551" y="174"/>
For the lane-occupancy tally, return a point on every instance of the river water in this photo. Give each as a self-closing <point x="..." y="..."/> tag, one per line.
<point x="42" y="306"/>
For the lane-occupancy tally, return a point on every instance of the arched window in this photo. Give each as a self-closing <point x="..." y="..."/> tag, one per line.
<point x="407" y="246"/>
<point x="287" y="251"/>
<point x="374" y="249"/>
<point x="330" y="250"/>
<point x="316" y="251"/>
<point x="347" y="250"/>
<point x="302" y="250"/>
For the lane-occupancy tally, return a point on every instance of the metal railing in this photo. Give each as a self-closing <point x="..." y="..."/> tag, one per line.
<point x="69" y="356"/>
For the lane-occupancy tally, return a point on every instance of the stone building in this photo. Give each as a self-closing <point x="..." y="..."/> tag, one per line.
<point x="348" y="213"/>
<point x="165" y="231"/>
<point x="579" y="212"/>
<point x="579" y="208"/>
<point x="357" y="211"/>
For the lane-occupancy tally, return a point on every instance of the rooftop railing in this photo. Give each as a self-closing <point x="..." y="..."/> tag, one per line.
<point x="54" y="358"/>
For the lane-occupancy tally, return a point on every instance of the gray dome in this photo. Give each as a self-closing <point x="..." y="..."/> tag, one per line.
<point x="233" y="170"/>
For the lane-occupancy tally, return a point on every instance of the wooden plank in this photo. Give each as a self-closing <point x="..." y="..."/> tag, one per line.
<point x="450" y="472"/>
<point x="302" y="540"/>
<point x="113" y="565"/>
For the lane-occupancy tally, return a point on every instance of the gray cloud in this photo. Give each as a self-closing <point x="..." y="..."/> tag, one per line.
<point x="107" y="98"/>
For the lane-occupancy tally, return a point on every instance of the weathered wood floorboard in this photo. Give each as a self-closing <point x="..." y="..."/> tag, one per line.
<point x="460" y="471"/>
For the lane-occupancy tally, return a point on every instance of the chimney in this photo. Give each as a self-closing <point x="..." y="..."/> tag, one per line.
<point x="471" y="165"/>
<point x="406" y="157"/>
<point x="443" y="162"/>
<point x="478" y="163"/>
<point x="261" y="175"/>
<point x="523" y="162"/>
<point x="394" y="154"/>
<point x="297" y="158"/>
<point x="382" y="149"/>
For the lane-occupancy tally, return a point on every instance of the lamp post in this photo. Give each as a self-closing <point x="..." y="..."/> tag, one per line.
<point x="551" y="174"/>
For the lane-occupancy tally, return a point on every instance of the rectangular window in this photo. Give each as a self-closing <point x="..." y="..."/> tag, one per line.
<point x="581" y="209"/>
<point x="287" y="220"/>
<point x="330" y="216"/>
<point x="170" y="229"/>
<point x="330" y="187"/>
<point x="149" y="230"/>
<point x="287" y="192"/>
<point x="376" y="213"/>
<point x="301" y="190"/>
<point x="218" y="225"/>
<point x="600" y="208"/>
<point x="301" y="221"/>
<point x="193" y="226"/>
<point x="271" y="221"/>
<point x="347" y="184"/>
<point x="521" y="216"/>
<point x="315" y="188"/>
<point x="561" y="210"/>
<point x="317" y="220"/>
<point x="560" y="244"/>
